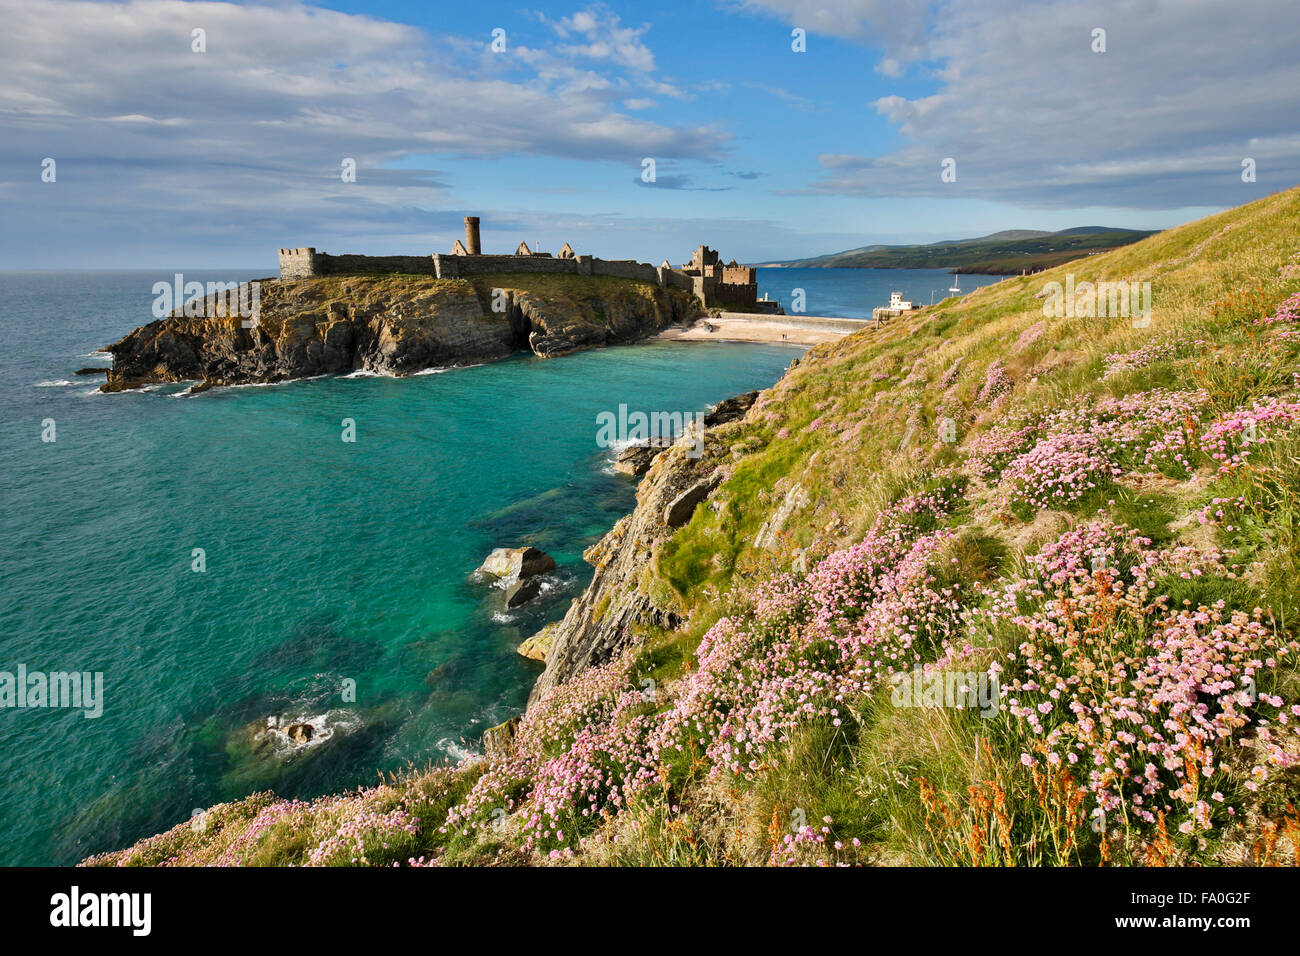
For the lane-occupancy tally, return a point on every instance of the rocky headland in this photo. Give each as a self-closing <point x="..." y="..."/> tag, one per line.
<point x="393" y="325"/>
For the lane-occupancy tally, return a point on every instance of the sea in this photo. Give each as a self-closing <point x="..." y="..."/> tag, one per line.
<point x="227" y="559"/>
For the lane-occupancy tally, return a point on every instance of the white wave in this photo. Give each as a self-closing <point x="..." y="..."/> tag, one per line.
<point x="324" y="727"/>
<point x="454" y="750"/>
<point x="557" y="581"/>
<point x="54" y="383"/>
<point x="279" y="384"/>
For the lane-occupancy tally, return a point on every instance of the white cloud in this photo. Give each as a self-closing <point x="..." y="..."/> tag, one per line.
<point x="257" y="127"/>
<point x="606" y="39"/>
<point x="896" y="26"/>
<point x="1033" y="116"/>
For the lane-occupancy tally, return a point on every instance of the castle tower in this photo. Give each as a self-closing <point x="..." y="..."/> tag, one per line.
<point x="472" y="246"/>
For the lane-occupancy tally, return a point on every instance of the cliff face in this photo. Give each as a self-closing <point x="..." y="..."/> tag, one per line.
<point x="393" y="325"/>
<point x="598" y="625"/>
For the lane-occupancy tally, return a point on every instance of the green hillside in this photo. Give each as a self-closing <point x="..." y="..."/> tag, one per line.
<point x="1003" y="253"/>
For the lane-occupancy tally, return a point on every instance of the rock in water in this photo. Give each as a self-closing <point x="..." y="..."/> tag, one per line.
<point x="521" y="592"/>
<point x="299" y="733"/>
<point x="516" y="563"/>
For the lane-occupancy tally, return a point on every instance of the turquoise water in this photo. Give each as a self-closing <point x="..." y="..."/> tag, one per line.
<point x="326" y="561"/>
<point x="853" y="293"/>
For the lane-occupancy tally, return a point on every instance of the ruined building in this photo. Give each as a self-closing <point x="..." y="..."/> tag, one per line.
<point x="728" y="286"/>
<point x="713" y="284"/>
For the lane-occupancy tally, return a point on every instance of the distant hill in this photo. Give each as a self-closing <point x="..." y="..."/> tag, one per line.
<point x="1002" y="253"/>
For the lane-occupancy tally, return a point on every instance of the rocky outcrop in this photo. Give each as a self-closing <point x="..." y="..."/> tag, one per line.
<point x="679" y="510"/>
<point x="536" y="647"/>
<point x="730" y="409"/>
<point x="521" y="592"/>
<point x="635" y="460"/>
<point x="769" y="535"/>
<point x="516" y="563"/>
<point x="499" y="740"/>
<point x="602" y="622"/>
<point x="392" y="325"/>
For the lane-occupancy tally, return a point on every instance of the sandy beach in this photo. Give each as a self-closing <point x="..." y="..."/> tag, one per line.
<point x="740" y="328"/>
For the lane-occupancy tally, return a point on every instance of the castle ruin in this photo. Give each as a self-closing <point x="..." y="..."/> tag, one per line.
<point x="712" y="283"/>
<point x="727" y="285"/>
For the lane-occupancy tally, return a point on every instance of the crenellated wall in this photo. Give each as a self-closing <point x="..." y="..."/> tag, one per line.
<point x="739" y="275"/>
<point x="307" y="263"/>
<point x="297" y="263"/>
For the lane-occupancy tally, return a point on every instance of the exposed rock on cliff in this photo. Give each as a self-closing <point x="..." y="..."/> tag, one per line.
<point x="393" y="325"/>
<point x="499" y="739"/>
<point x="537" y="646"/>
<point x="598" y="624"/>
<point x="635" y="460"/>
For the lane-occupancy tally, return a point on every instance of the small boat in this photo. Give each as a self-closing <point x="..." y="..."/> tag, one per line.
<point x="956" y="283"/>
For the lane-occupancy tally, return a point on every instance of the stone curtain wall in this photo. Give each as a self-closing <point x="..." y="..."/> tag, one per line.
<point x="672" y="279"/>
<point x="344" y="265"/>
<point x="625" y="269"/>
<point x="306" y="263"/>
<point x="459" y="267"/>
<point x="736" y="295"/>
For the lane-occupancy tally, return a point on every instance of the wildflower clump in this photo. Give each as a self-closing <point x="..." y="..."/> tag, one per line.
<point x="860" y="615"/>
<point x="1151" y="703"/>
<point x="997" y="383"/>
<point x="1058" y="471"/>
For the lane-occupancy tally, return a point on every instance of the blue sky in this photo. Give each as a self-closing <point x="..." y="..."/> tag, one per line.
<point x="167" y="157"/>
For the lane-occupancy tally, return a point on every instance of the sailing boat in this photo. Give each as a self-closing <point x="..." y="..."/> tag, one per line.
<point x="956" y="283"/>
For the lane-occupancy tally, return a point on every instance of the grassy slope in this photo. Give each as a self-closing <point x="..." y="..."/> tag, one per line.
<point x="854" y="426"/>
